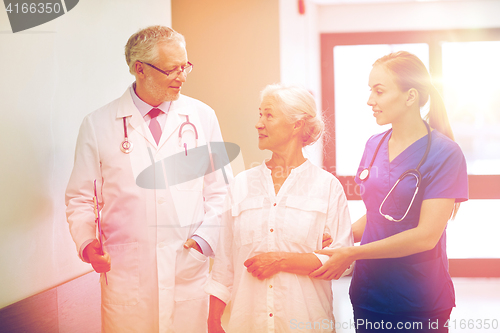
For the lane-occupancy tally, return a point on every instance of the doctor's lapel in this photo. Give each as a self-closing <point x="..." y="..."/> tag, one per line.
<point x="138" y="124"/>
<point x="172" y="124"/>
<point x="175" y="117"/>
<point x="135" y="120"/>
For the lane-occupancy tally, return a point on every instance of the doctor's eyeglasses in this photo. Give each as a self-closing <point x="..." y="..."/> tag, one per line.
<point x="175" y="72"/>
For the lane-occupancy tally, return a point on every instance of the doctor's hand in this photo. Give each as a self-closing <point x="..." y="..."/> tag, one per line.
<point x="265" y="265"/>
<point x="92" y="253"/>
<point x="327" y="240"/>
<point x="191" y="243"/>
<point x="340" y="260"/>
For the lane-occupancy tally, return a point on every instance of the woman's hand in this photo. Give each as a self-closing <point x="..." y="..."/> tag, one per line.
<point x="265" y="265"/>
<point x="340" y="260"/>
<point x="327" y="240"/>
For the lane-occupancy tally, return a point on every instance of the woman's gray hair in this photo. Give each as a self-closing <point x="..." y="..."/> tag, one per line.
<point x="296" y="103"/>
<point x="142" y="46"/>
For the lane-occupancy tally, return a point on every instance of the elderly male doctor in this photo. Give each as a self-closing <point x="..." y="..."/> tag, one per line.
<point x="159" y="215"/>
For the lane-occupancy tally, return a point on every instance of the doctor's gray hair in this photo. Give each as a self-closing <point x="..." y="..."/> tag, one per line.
<point x="296" y="103"/>
<point x="142" y="46"/>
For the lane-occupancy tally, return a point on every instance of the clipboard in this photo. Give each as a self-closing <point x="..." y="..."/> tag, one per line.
<point x="97" y="213"/>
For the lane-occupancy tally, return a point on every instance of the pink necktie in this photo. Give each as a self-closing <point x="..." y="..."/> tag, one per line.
<point x="154" y="125"/>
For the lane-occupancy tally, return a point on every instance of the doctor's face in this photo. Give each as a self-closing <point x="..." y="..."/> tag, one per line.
<point x="275" y="132"/>
<point x="386" y="98"/>
<point x="162" y="88"/>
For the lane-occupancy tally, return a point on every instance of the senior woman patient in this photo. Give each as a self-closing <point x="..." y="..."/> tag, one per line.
<point x="275" y="217"/>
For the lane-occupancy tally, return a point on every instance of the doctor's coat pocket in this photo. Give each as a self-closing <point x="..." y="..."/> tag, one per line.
<point x="301" y="215"/>
<point x="123" y="278"/>
<point x="187" y="171"/>
<point x="248" y="220"/>
<point x="191" y="274"/>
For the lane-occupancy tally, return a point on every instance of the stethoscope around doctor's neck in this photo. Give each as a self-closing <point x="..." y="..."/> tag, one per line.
<point x="365" y="173"/>
<point x="127" y="146"/>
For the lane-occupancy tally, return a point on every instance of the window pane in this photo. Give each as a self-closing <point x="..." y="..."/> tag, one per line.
<point x="353" y="117"/>
<point x="474" y="232"/>
<point x="357" y="209"/>
<point x="471" y="73"/>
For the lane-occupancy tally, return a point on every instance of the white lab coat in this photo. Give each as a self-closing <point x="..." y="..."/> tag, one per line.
<point x="155" y="285"/>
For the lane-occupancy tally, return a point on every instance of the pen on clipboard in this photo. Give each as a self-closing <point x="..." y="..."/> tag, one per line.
<point x="98" y="221"/>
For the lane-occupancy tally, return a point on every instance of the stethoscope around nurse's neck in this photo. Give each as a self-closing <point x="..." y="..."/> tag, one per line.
<point x="127" y="146"/>
<point x="365" y="173"/>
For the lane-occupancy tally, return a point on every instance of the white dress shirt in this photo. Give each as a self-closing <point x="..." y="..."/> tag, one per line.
<point x="144" y="108"/>
<point x="256" y="220"/>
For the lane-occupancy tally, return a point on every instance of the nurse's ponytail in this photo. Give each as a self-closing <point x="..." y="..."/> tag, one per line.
<point x="437" y="116"/>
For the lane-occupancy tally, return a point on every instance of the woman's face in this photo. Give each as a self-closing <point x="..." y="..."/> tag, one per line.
<point x="386" y="99"/>
<point x="274" y="130"/>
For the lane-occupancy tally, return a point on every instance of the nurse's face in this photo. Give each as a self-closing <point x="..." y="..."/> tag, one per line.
<point x="275" y="133"/>
<point x="386" y="99"/>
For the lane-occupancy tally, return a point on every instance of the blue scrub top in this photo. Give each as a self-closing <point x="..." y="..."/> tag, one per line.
<point x="419" y="282"/>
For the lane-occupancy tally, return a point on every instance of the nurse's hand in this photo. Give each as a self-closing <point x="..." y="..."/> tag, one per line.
<point x="92" y="253"/>
<point x="327" y="240"/>
<point x="265" y="265"/>
<point x="338" y="263"/>
<point x="191" y="243"/>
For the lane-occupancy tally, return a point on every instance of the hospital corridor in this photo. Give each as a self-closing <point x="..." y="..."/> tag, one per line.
<point x="292" y="161"/>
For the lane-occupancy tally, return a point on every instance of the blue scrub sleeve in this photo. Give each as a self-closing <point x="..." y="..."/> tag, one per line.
<point x="447" y="178"/>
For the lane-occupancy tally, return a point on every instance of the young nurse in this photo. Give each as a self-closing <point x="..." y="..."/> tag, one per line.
<point x="401" y="278"/>
<point x="276" y="216"/>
